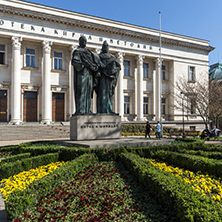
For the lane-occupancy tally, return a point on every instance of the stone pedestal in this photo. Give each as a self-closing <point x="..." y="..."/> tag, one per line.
<point x="94" y="127"/>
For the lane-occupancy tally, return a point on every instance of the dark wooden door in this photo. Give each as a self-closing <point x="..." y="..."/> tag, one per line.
<point x="3" y="106"/>
<point x="30" y="107"/>
<point x="58" y="107"/>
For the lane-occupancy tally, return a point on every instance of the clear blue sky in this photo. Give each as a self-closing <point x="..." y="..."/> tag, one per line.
<point x="196" y="18"/>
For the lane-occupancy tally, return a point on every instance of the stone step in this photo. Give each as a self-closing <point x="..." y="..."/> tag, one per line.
<point x="36" y="131"/>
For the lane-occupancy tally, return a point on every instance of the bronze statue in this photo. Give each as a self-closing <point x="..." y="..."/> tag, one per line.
<point x="86" y="65"/>
<point x="106" y="83"/>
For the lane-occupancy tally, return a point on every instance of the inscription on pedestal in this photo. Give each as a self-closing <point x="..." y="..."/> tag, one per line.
<point x="95" y="127"/>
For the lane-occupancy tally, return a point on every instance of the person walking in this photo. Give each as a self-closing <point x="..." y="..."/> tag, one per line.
<point x="148" y="129"/>
<point x="158" y="130"/>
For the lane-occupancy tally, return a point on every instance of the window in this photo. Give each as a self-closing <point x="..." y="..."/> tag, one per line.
<point x="126" y="104"/>
<point x="163" y="110"/>
<point x="193" y="128"/>
<point x="145" y="105"/>
<point x="126" y="68"/>
<point x="163" y="72"/>
<point x="192" y="106"/>
<point x="30" y="57"/>
<point x="2" y="54"/>
<point x="191" y="76"/>
<point x="58" y="60"/>
<point x="145" y="70"/>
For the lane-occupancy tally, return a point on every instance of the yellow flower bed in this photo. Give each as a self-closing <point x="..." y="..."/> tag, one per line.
<point x="22" y="180"/>
<point x="204" y="184"/>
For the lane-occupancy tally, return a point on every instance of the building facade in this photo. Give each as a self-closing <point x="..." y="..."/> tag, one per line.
<point x="36" y="75"/>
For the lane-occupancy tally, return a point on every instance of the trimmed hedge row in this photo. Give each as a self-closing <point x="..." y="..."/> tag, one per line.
<point x="10" y="169"/>
<point x="209" y="154"/>
<point x="187" y="204"/>
<point x="190" y="162"/>
<point x="16" y="157"/>
<point x="10" y="148"/>
<point x="19" y="201"/>
<point x="148" y="151"/>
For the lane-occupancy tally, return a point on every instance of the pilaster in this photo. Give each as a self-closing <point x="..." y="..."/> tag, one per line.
<point x="120" y="102"/>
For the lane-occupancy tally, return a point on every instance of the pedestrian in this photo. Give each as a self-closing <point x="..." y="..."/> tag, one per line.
<point x="148" y="129"/>
<point x="206" y="133"/>
<point x="158" y="130"/>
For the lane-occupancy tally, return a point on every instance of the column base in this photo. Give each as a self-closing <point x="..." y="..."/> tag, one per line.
<point x="15" y="122"/>
<point x="46" y="122"/>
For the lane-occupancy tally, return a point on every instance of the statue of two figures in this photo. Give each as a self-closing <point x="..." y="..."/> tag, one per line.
<point x="94" y="72"/>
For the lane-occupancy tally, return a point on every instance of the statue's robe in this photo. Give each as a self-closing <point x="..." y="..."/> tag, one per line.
<point x="107" y="83"/>
<point x="85" y="65"/>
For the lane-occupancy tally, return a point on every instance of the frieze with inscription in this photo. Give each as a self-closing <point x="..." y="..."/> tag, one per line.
<point x="69" y="34"/>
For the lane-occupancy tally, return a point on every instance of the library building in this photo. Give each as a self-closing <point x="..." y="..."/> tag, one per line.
<point x="37" y="77"/>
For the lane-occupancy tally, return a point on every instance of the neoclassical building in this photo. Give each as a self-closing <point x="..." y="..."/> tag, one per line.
<point x="36" y="75"/>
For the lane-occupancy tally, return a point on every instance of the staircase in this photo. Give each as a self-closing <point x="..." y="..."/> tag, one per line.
<point x="33" y="131"/>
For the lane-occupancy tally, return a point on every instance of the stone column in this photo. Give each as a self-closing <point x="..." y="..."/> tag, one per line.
<point x="120" y="109"/>
<point x="16" y="81"/>
<point x="140" y="87"/>
<point x="158" y="90"/>
<point x="46" y="84"/>
<point x="72" y="105"/>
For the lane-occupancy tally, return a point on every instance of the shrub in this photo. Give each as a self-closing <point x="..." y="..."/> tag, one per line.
<point x="15" y="158"/>
<point x="12" y="168"/>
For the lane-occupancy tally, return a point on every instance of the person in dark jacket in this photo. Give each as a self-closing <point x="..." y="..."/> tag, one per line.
<point x="206" y="133"/>
<point x="148" y="129"/>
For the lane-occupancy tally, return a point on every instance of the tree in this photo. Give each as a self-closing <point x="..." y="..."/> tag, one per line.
<point x="215" y="99"/>
<point x="202" y="97"/>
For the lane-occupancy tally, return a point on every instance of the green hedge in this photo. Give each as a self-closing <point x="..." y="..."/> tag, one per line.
<point x="187" y="139"/>
<point x="19" y="201"/>
<point x="10" y="169"/>
<point x="187" y="204"/>
<point x="15" y="158"/>
<point x="147" y="151"/>
<point x="10" y="148"/>
<point x="190" y="162"/>
<point x="208" y="154"/>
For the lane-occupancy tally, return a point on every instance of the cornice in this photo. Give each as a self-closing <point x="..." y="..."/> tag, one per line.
<point x="140" y="35"/>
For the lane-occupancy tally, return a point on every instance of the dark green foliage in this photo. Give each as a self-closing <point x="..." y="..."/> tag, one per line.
<point x="15" y="158"/>
<point x="187" y="139"/>
<point x="12" y="168"/>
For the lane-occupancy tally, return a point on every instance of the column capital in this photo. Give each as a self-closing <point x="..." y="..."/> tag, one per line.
<point x="120" y="56"/>
<point x="140" y="59"/>
<point x="16" y="42"/>
<point x="47" y="46"/>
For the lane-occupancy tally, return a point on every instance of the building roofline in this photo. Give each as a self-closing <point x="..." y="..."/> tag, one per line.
<point x="102" y="24"/>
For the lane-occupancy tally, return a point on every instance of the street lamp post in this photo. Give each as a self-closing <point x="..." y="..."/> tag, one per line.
<point x="182" y="93"/>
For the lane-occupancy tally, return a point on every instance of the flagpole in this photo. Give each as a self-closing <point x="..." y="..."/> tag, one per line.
<point x="160" y="74"/>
